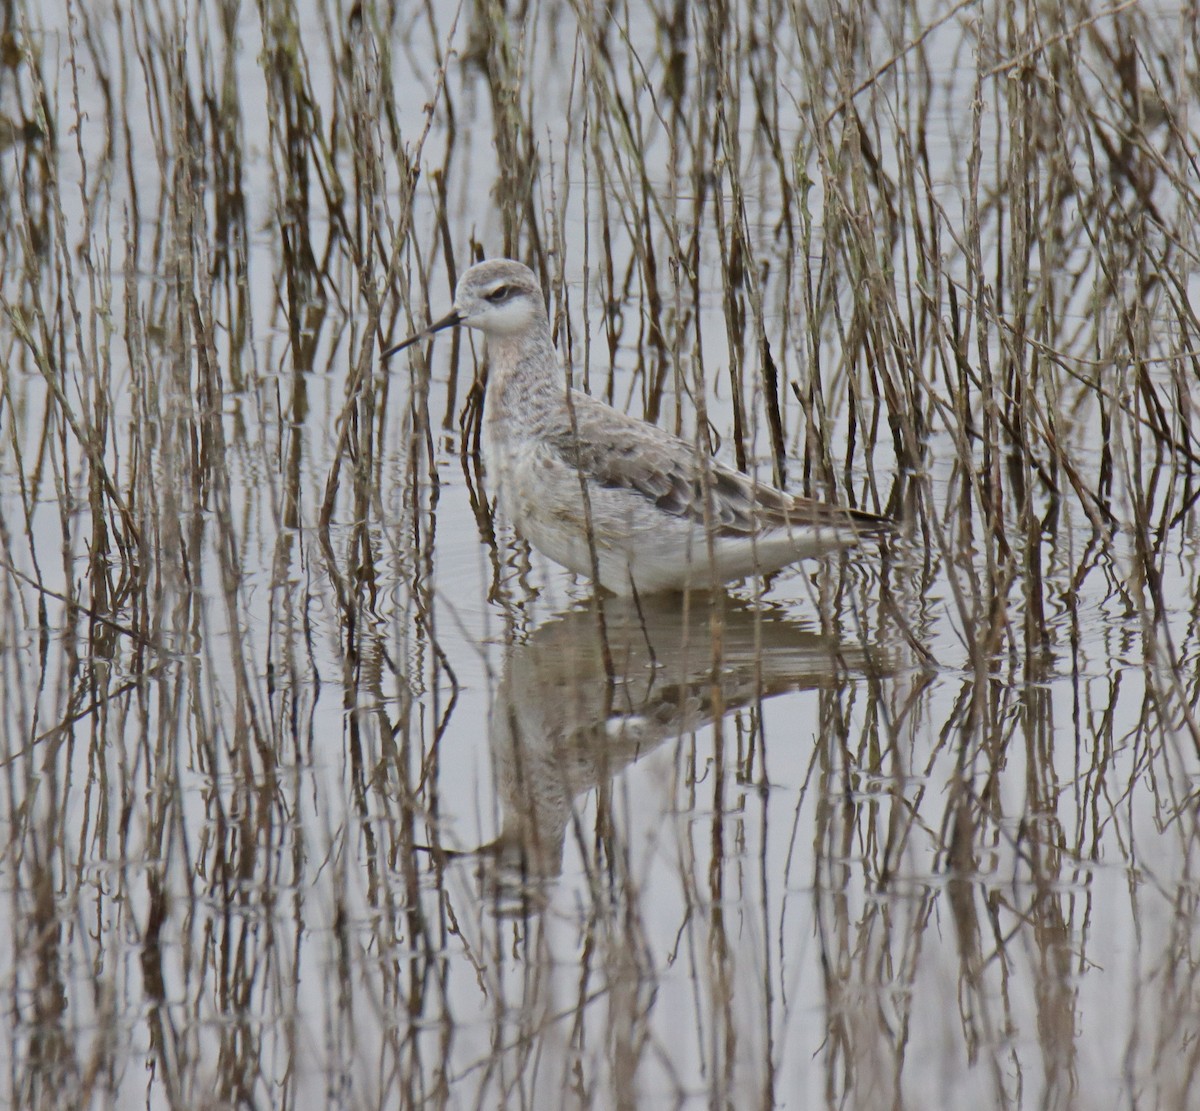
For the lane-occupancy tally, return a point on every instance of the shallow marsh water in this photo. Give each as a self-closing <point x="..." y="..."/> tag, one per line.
<point x="321" y="790"/>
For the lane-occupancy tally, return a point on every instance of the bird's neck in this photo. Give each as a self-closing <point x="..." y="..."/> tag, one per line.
<point x="523" y="373"/>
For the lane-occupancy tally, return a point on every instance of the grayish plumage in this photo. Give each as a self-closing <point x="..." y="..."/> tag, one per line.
<point x="579" y="478"/>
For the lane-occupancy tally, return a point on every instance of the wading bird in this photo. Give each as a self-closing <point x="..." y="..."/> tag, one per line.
<point x="607" y="495"/>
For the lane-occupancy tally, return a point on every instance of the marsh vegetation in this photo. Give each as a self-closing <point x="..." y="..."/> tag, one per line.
<point x="319" y="789"/>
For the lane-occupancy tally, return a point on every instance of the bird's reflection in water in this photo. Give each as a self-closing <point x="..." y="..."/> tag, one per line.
<point x="589" y="693"/>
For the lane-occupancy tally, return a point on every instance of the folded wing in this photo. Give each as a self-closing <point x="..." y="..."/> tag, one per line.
<point x="667" y="471"/>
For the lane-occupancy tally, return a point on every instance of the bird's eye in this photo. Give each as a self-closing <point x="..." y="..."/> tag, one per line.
<point x="500" y="293"/>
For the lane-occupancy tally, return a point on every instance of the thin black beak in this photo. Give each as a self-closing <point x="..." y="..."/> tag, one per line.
<point x="447" y="321"/>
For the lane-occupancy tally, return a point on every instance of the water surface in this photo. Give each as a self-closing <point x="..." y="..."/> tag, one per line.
<point x="321" y="789"/>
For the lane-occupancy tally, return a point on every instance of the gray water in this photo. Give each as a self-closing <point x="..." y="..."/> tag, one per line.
<point x="321" y="789"/>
